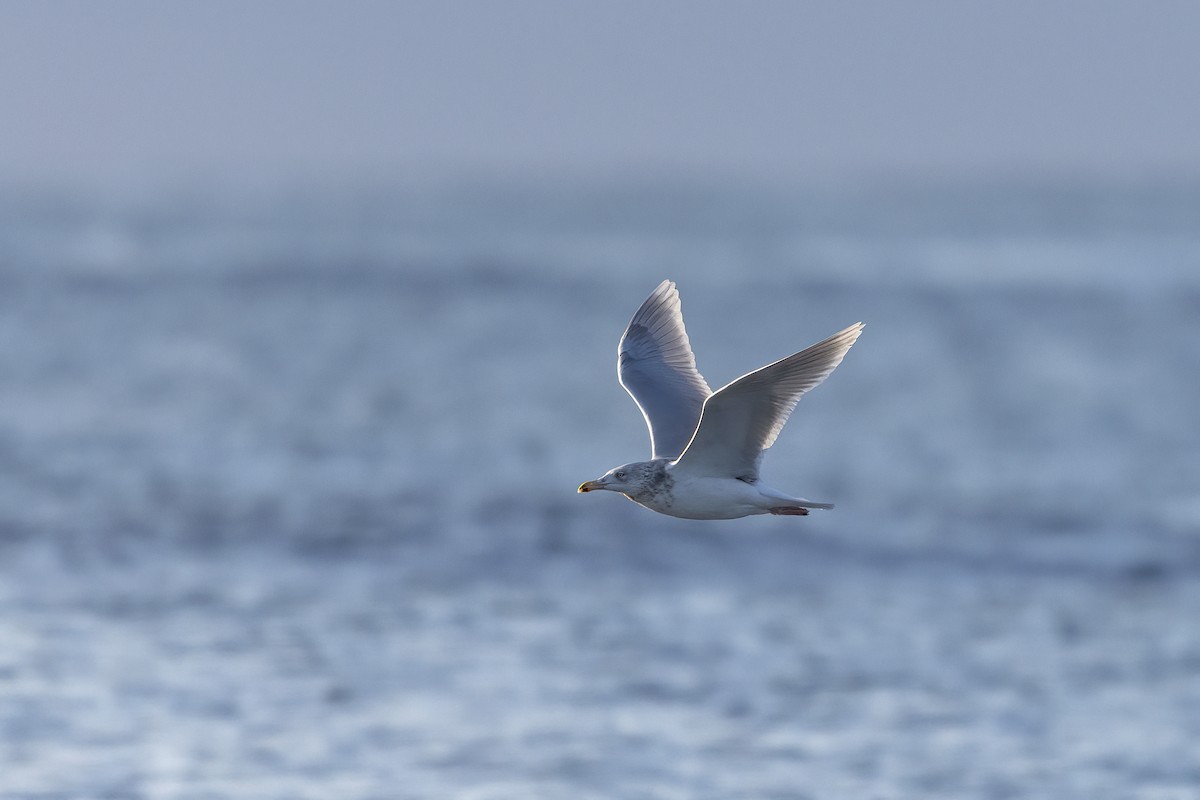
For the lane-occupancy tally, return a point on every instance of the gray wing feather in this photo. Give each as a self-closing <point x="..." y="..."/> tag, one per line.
<point x="743" y="419"/>
<point x="656" y="366"/>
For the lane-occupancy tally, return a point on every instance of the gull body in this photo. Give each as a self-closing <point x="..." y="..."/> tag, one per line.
<point x="707" y="446"/>
<point x="660" y="486"/>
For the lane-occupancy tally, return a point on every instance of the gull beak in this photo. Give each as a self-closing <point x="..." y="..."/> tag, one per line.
<point x="590" y="486"/>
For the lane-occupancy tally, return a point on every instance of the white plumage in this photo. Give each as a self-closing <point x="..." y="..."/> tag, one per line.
<point x="707" y="446"/>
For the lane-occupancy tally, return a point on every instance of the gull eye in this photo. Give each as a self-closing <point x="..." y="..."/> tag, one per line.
<point x="619" y="474"/>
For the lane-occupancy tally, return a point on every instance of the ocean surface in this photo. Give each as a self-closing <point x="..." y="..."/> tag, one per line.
<point x="288" y="509"/>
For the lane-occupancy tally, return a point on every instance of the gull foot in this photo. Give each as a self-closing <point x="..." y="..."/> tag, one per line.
<point x="790" y="511"/>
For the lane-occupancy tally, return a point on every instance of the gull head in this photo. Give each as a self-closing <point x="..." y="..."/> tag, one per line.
<point x="630" y="480"/>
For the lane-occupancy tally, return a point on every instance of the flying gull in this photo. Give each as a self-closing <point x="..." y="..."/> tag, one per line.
<point x="707" y="446"/>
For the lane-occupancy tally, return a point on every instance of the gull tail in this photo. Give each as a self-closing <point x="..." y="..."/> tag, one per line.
<point x="798" y="508"/>
<point x="785" y="505"/>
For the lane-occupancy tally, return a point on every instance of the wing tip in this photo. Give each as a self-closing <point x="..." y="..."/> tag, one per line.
<point x="845" y="338"/>
<point x="665" y="293"/>
<point x="662" y="292"/>
<point x="661" y="307"/>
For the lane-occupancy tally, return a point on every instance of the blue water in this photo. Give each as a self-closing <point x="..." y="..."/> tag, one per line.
<point x="287" y="499"/>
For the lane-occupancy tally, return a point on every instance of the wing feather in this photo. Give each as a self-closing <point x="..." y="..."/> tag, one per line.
<point x="741" y="420"/>
<point x="656" y="366"/>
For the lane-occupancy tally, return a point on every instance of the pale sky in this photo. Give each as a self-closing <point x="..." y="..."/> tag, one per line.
<point x="153" y="91"/>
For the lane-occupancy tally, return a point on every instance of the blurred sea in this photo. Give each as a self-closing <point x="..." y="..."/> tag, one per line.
<point x="288" y="510"/>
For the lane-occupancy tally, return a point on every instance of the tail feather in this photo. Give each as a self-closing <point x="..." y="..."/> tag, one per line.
<point x="797" y="508"/>
<point x="778" y="500"/>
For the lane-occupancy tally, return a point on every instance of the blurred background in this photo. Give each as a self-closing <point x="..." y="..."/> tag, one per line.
<point x="308" y="319"/>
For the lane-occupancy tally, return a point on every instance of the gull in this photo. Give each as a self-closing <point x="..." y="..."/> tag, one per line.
<point x="707" y="446"/>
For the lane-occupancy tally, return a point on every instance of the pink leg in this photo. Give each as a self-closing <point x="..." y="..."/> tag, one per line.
<point x="790" y="511"/>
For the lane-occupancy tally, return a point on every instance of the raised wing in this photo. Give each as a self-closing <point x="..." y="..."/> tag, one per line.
<point x="656" y="366"/>
<point x="743" y="419"/>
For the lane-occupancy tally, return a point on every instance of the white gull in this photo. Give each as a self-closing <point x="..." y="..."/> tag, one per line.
<point x="707" y="446"/>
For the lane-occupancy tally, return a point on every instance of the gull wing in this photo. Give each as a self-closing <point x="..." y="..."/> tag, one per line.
<point x="743" y="419"/>
<point x="656" y="366"/>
